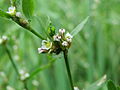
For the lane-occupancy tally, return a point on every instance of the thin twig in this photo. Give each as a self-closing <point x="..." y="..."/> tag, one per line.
<point x="68" y="68"/>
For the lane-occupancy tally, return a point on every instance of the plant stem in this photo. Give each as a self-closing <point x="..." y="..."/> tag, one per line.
<point x="11" y="59"/>
<point x="14" y="66"/>
<point x="35" y="33"/>
<point x="26" y="25"/>
<point x="68" y="68"/>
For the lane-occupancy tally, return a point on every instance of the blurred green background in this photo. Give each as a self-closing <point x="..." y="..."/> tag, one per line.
<point x="95" y="51"/>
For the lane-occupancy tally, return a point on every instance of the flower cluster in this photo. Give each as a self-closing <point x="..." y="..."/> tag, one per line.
<point x="23" y="74"/>
<point x="12" y="11"/>
<point x="58" y="43"/>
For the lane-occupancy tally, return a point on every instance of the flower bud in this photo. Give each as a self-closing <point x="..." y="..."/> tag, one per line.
<point x="56" y="37"/>
<point x="64" y="43"/>
<point x="61" y="31"/>
<point x="68" y="37"/>
<point x="18" y="14"/>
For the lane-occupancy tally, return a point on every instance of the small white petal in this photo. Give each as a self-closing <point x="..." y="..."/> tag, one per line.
<point x="57" y="37"/>
<point x="4" y="37"/>
<point x="11" y="10"/>
<point x="35" y="83"/>
<point x="61" y="31"/>
<point x="27" y="75"/>
<point x="64" y="43"/>
<point x="21" y="72"/>
<point x="10" y="88"/>
<point x="18" y="14"/>
<point x="76" y="88"/>
<point x="68" y="37"/>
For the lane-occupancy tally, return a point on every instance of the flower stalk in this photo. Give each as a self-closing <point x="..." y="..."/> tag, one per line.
<point x="14" y="66"/>
<point x="65" y="52"/>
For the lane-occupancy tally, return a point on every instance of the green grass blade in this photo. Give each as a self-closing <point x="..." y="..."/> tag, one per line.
<point x="79" y="27"/>
<point x="98" y="84"/>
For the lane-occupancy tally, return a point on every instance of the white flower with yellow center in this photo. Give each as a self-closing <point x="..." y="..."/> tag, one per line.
<point x="65" y="43"/>
<point x="62" y="31"/>
<point x="68" y="37"/>
<point x="46" y="45"/>
<point x="11" y="10"/>
<point x="57" y="37"/>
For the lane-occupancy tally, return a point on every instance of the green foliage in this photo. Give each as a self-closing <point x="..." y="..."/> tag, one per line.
<point x="112" y="86"/>
<point x="98" y="84"/>
<point x="4" y="14"/>
<point x="28" y="8"/>
<point x="95" y="51"/>
<point x="79" y="27"/>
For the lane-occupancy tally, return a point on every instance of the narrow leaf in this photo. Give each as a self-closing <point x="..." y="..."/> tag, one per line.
<point x="98" y="84"/>
<point x="28" y="8"/>
<point x="111" y="85"/>
<point x="79" y="27"/>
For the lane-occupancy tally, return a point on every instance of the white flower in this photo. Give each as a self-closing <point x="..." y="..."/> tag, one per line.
<point x="3" y="39"/>
<point x="46" y="44"/>
<point x="64" y="43"/>
<point x="23" y="74"/>
<point x="57" y="37"/>
<point x="76" y="88"/>
<point x="68" y="37"/>
<point x="61" y="31"/>
<point x="41" y="50"/>
<point x="11" y="10"/>
<point x="35" y="83"/>
<point x="18" y="14"/>
<point x="9" y="88"/>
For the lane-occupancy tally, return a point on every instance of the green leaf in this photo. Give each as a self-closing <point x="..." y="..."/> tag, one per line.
<point x="4" y="14"/>
<point x="98" y="84"/>
<point x="111" y="85"/>
<point x="28" y="8"/>
<point x="79" y="27"/>
<point x="118" y="87"/>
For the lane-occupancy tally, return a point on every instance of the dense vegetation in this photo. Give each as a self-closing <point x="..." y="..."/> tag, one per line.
<point x="95" y="51"/>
